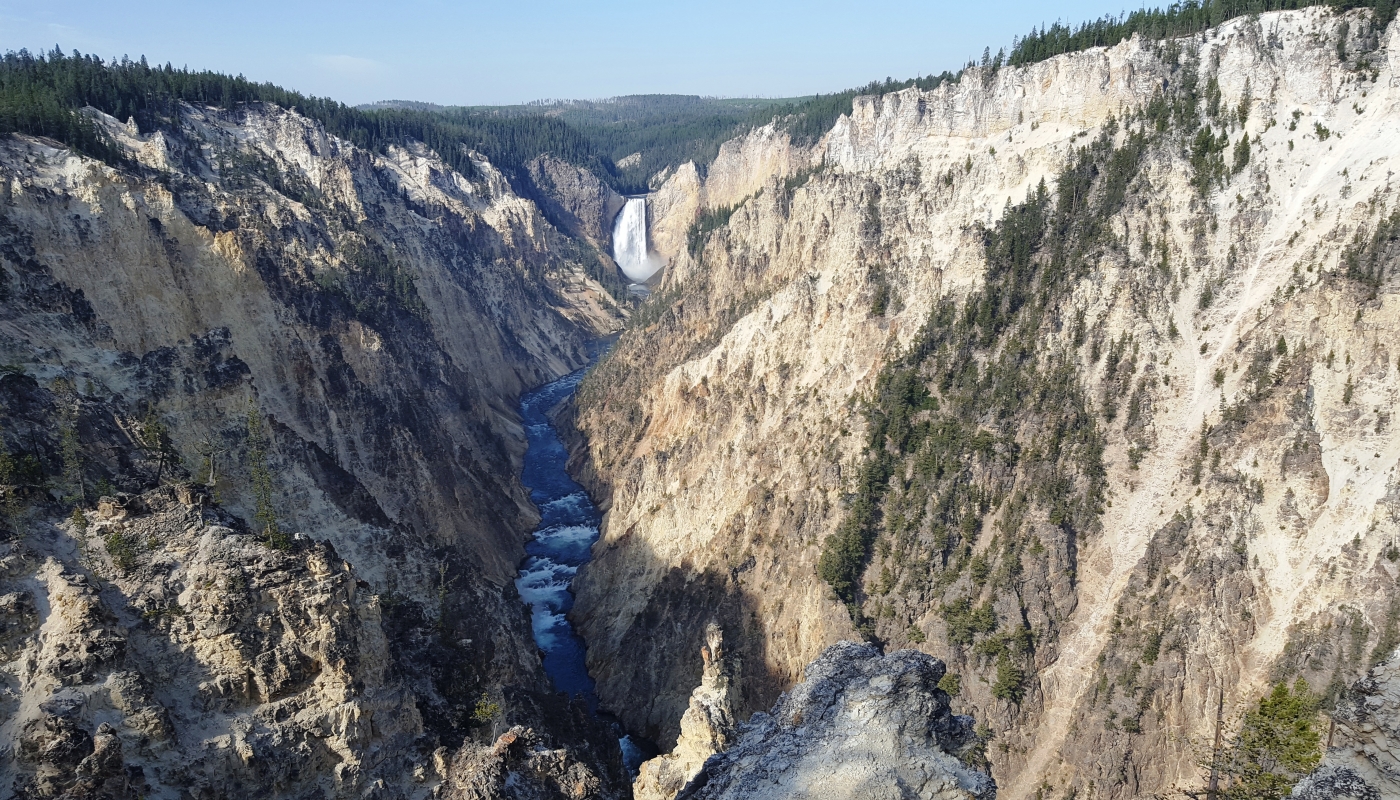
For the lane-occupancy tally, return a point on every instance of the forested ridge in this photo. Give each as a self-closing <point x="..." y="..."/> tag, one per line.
<point x="624" y="141"/>
<point x="658" y="130"/>
<point x="40" y="95"/>
<point x="668" y="130"/>
<point x="1178" y="19"/>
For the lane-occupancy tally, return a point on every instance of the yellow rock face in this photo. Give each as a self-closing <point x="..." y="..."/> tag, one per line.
<point x="728" y="435"/>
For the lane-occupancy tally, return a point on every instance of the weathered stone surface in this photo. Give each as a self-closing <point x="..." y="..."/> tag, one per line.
<point x="206" y="664"/>
<point x="1364" y="760"/>
<point x="725" y="440"/>
<point x="575" y="199"/>
<point x="708" y="726"/>
<point x="521" y="765"/>
<point x="862" y="725"/>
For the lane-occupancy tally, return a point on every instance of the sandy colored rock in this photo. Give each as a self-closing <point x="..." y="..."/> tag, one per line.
<point x="726" y="439"/>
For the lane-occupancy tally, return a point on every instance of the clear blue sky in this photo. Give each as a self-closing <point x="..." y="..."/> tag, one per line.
<point x="511" y="51"/>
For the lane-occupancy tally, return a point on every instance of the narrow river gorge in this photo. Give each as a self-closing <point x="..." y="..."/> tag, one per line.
<point x="559" y="547"/>
<point x="1025" y="431"/>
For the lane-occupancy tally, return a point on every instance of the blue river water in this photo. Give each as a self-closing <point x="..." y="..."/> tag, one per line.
<point x="568" y="528"/>
<point x="560" y="546"/>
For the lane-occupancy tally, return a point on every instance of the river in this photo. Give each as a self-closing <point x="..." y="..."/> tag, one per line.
<point x="560" y="546"/>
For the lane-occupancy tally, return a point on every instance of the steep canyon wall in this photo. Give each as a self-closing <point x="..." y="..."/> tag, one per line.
<point x="1133" y="438"/>
<point x="289" y="328"/>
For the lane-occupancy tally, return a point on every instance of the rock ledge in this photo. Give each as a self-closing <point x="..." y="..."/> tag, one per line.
<point x="861" y="725"/>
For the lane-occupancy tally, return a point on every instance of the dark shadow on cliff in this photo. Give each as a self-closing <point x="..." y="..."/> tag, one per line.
<point x="672" y="630"/>
<point x="661" y="645"/>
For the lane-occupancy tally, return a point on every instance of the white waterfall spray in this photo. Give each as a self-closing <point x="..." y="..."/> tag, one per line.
<point x="630" y="242"/>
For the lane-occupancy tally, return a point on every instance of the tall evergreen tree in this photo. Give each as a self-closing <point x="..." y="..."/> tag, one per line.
<point x="1278" y="743"/>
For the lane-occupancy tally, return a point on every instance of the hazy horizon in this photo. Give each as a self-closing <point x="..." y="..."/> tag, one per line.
<point x="510" y="54"/>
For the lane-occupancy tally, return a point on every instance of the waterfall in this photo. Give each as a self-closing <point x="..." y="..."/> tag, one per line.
<point x="630" y="242"/>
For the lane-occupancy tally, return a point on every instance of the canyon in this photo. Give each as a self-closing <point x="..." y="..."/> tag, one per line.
<point x="1218" y="371"/>
<point x="283" y="322"/>
<point x="1007" y="438"/>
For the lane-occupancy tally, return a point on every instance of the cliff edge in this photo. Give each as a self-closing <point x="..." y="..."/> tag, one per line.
<point x="1363" y="762"/>
<point x="862" y="725"/>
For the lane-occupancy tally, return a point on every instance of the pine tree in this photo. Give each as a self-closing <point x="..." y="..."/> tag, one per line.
<point x="261" y="479"/>
<point x="1278" y="743"/>
<point x="155" y="440"/>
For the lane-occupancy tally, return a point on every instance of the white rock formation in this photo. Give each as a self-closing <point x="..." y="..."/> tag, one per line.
<point x="861" y="725"/>
<point x="728" y="439"/>
<point x="707" y="727"/>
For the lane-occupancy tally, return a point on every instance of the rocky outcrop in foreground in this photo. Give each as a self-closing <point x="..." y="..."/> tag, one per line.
<point x="178" y="656"/>
<point x="521" y="765"/>
<point x="860" y="725"/>
<point x="1364" y="761"/>
<point x="709" y="726"/>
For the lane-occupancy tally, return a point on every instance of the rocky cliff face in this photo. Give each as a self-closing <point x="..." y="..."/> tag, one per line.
<point x="575" y="199"/>
<point x="707" y="727"/>
<point x="128" y="653"/>
<point x="331" y="341"/>
<point x="159" y="649"/>
<point x="1143" y="445"/>
<point x="1362" y="760"/>
<point x="860" y="725"/>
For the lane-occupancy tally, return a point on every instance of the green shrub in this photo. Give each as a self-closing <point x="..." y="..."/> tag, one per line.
<point x="1153" y="648"/>
<point x="951" y="683"/>
<point x="122" y="549"/>
<point x="485" y="710"/>
<point x="1207" y="160"/>
<point x="964" y="622"/>
<point x="880" y="301"/>
<point x="710" y="219"/>
<point x="261" y="478"/>
<point x="1010" y="681"/>
<point x="1369" y="253"/>
<point x="1241" y="154"/>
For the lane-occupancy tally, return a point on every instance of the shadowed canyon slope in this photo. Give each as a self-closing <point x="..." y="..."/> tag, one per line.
<point x="1066" y="387"/>
<point x="1081" y="372"/>
<point x="320" y="333"/>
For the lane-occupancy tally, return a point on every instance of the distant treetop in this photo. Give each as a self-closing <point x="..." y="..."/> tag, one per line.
<point x="1178" y="19"/>
<point x="43" y="94"/>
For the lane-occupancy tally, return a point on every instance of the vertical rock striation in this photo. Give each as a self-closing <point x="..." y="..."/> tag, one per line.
<point x="1214" y="515"/>
<point x="574" y="199"/>
<point x="326" y="337"/>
